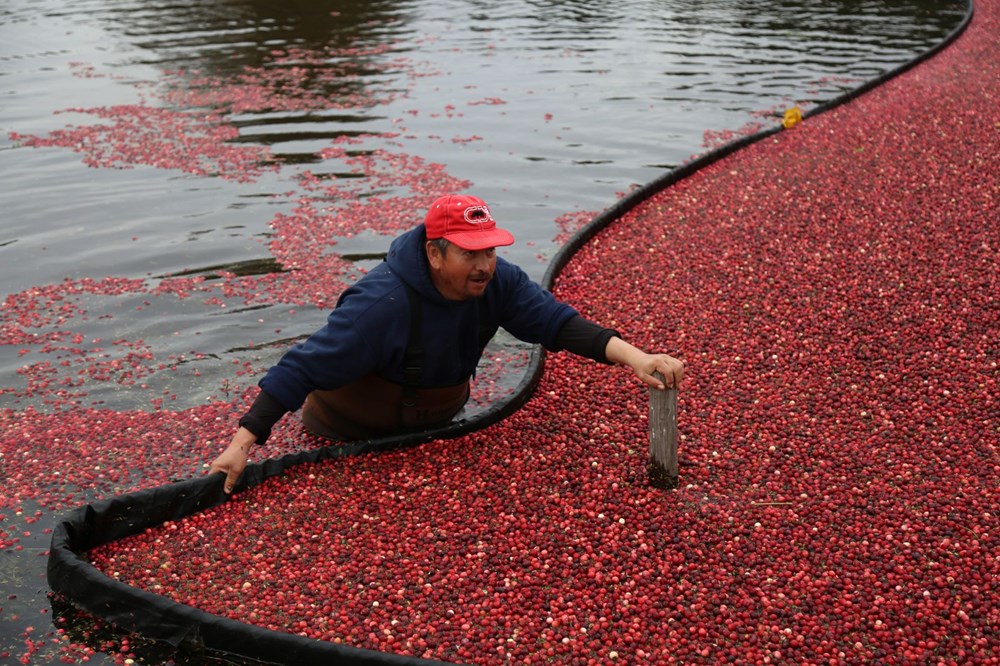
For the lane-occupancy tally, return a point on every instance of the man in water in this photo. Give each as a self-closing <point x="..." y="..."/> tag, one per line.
<point x="398" y="351"/>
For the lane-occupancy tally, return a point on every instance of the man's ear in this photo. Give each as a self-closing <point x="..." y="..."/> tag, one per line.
<point x="434" y="257"/>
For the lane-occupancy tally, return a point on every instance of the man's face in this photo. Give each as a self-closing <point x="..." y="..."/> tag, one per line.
<point x="461" y="274"/>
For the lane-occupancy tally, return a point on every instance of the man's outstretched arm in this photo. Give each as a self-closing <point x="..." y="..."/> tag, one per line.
<point x="644" y="365"/>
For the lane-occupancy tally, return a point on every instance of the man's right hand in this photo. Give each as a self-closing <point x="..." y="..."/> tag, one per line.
<point x="233" y="460"/>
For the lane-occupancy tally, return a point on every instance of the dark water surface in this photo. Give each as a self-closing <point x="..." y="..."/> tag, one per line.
<point x="543" y="108"/>
<point x="116" y="160"/>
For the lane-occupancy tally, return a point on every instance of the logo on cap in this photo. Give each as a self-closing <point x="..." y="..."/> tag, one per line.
<point x="477" y="215"/>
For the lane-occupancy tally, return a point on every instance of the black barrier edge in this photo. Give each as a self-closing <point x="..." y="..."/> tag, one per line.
<point x="159" y="618"/>
<point x="70" y="575"/>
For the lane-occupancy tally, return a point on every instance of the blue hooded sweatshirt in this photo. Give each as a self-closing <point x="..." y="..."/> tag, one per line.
<point x="369" y="329"/>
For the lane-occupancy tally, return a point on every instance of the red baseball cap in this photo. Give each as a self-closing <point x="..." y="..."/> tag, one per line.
<point x="465" y="221"/>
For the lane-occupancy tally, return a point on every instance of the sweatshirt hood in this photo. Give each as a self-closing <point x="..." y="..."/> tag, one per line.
<point x="407" y="258"/>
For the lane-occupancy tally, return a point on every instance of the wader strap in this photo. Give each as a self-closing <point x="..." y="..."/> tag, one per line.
<point x="485" y="330"/>
<point x="413" y="358"/>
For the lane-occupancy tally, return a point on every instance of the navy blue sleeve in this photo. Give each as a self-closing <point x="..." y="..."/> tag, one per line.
<point x="365" y="333"/>
<point x="335" y="355"/>
<point x="527" y="311"/>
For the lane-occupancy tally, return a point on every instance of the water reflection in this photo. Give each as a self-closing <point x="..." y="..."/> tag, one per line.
<point x="226" y="36"/>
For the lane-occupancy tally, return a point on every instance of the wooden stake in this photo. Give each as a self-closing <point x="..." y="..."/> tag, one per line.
<point x="663" y="437"/>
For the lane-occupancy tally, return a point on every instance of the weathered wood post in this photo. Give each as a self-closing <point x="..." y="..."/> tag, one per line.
<point x="662" y="437"/>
